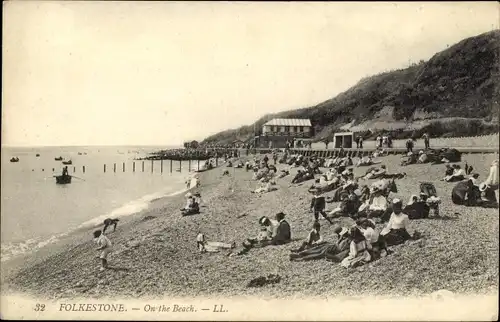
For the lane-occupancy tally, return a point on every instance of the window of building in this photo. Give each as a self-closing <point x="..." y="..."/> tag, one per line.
<point x="282" y="129"/>
<point x="301" y="129"/>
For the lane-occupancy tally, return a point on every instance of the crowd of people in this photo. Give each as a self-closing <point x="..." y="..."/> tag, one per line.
<point x="379" y="220"/>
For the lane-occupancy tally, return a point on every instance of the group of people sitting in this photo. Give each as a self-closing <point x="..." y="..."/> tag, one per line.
<point x="193" y="202"/>
<point x="443" y="155"/>
<point x="470" y="192"/>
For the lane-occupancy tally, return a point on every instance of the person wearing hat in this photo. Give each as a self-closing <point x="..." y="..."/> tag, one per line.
<point x="417" y="208"/>
<point x="396" y="231"/>
<point x="488" y="198"/>
<point x="367" y="227"/>
<point x="359" y="250"/>
<point x="458" y="174"/>
<point x="463" y="192"/>
<point x="422" y="157"/>
<point x="283" y="231"/>
<point x="191" y="207"/>
<point x="449" y="171"/>
<point x="332" y="251"/>
<point x="318" y="205"/>
<point x="313" y="239"/>
<point x="377" y="204"/>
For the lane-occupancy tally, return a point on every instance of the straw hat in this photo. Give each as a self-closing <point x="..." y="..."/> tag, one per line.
<point x="482" y="187"/>
<point x="409" y="153"/>
<point x="420" y="152"/>
<point x="396" y="201"/>
<point x="263" y="220"/>
<point x="357" y="192"/>
<point x="189" y="195"/>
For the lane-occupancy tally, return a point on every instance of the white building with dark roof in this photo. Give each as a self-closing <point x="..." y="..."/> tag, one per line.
<point x="288" y="127"/>
<point x="277" y="132"/>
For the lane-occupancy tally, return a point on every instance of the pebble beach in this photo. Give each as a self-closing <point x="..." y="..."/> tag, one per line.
<point x="155" y="254"/>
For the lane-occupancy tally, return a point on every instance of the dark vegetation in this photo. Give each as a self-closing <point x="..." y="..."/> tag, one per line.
<point x="460" y="82"/>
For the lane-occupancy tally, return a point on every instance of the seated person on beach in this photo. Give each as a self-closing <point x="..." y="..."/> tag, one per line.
<point x="191" y="207"/>
<point x="376" y="206"/>
<point x="260" y="173"/>
<point x="211" y="247"/>
<point x="65" y="172"/>
<point x="365" y="161"/>
<point x="283" y="173"/>
<point x="482" y="196"/>
<point x="110" y="222"/>
<point x="313" y="239"/>
<point x="422" y="157"/>
<point x="333" y="251"/>
<point x="448" y="171"/>
<point x="372" y="235"/>
<point x="302" y="176"/>
<point x="417" y="208"/>
<point x="277" y="233"/>
<point x="396" y="231"/>
<point x="265" y="188"/>
<point x="348" y="205"/>
<point x="409" y="158"/>
<point x="239" y="165"/>
<point x="458" y="174"/>
<point x="105" y="246"/>
<point x="376" y="173"/>
<point x="359" y="250"/>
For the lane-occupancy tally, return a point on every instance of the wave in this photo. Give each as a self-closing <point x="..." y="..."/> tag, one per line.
<point x="14" y="249"/>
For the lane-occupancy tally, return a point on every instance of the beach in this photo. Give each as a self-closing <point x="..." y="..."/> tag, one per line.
<point x="155" y="254"/>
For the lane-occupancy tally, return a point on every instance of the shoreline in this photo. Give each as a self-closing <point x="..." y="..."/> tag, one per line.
<point x="160" y="256"/>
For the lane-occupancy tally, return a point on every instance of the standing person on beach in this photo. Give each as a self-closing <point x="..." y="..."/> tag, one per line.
<point x="318" y="205"/>
<point x="426" y="140"/>
<point x="105" y="246"/>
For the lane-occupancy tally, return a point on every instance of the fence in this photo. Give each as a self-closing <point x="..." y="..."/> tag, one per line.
<point x="165" y="166"/>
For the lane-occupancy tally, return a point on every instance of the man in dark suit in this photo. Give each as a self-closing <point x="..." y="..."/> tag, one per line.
<point x="283" y="232"/>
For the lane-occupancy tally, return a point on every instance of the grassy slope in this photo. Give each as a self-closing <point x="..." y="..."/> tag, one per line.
<point x="461" y="81"/>
<point x="458" y="255"/>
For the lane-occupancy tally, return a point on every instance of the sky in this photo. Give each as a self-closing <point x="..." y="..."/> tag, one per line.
<point x="158" y="73"/>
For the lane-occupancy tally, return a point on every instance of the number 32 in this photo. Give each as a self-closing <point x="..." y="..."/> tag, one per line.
<point x="39" y="307"/>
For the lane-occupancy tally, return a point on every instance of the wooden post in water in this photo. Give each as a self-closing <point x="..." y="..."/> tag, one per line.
<point x="83" y="169"/>
<point x="198" y="164"/>
<point x="180" y="165"/>
<point x="133" y="166"/>
<point x="161" y="166"/>
<point x="189" y="165"/>
<point x="74" y="169"/>
<point x="142" y="166"/>
<point x="123" y="166"/>
<point x="170" y="166"/>
<point x="53" y="170"/>
<point x="114" y="167"/>
<point x="105" y="168"/>
<point x="152" y="164"/>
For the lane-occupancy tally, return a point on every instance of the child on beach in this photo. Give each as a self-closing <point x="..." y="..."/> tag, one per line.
<point x="105" y="245"/>
<point x="318" y="205"/>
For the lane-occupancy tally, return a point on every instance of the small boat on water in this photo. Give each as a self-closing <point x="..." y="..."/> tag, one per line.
<point x="79" y="153"/>
<point x="14" y="159"/>
<point x="63" y="179"/>
<point x="37" y="155"/>
<point x="67" y="162"/>
<point x="59" y="159"/>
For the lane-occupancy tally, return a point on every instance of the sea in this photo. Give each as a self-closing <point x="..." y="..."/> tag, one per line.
<point x="36" y="212"/>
